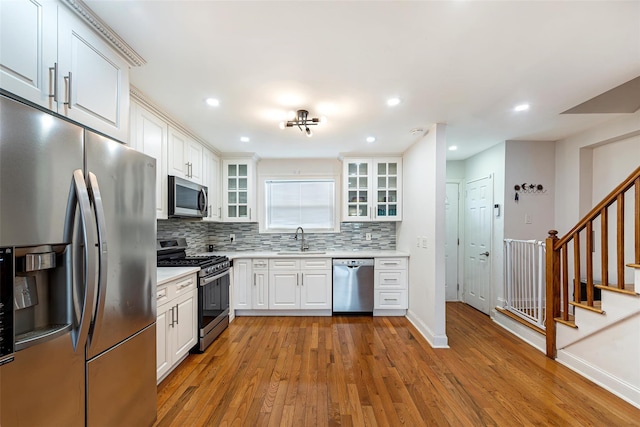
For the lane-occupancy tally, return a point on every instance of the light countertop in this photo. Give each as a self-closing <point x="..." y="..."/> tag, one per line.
<point x="311" y="254"/>
<point x="167" y="274"/>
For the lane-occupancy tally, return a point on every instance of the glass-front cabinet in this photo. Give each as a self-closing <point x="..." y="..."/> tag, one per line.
<point x="372" y="189"/>
<point x="238" y="191"/>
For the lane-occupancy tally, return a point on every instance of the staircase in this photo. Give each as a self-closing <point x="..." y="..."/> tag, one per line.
<point x="598" y="338"/>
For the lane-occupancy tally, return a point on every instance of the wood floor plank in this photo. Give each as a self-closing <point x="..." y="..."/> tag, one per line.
<point x="364" y="371"/>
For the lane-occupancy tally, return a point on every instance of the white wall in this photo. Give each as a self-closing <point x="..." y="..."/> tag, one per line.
<point x="424" y="187"/>
<point x="455" y="169"/>
<point x="574" y="159"/>
<point x="492" y="162"/>
<point x="530" y="162"/>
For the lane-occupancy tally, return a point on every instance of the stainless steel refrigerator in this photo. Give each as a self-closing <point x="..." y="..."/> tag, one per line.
<point x="78" y="211"/>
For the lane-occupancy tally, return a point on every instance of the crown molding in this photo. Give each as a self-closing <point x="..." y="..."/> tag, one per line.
<point x="106" y="32"/>
<point x="142" y="99"/>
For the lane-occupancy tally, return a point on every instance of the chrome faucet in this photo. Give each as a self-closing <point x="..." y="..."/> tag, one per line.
<point x="303" y="247"/>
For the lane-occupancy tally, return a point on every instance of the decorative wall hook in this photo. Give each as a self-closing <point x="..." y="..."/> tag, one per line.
<point x="528" y="188"/>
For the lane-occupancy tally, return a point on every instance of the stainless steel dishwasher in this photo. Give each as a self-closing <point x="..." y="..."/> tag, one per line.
<point x="353" y="285"/>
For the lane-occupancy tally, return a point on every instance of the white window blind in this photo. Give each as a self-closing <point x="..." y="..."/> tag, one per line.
<point x="309" y="204"/>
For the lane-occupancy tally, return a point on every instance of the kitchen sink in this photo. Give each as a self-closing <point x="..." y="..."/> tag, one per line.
<point x="302" y="253"/>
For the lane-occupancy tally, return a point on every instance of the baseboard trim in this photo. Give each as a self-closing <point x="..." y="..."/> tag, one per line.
<point x="435" y="341"/>
<point x="622" y="389"/>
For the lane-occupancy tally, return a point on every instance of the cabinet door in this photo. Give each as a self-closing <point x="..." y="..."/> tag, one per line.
<point x="387" y="194"/>
<point x="93" y="81"/>
<point x="151" y="139"/>
<point x="242" y="284"/>
<point x="194" y="159"/>
<point x="186" y="324"/>
<point x="260" y="291"/>
<point x="210" y="170"/>
<point x="238" y="191"/>
<point x="163" y="347"/>
<point x="315" y="289"/>
<point x="356" y="190"/>
<point x="178" y="164"/>
<point x="28" y="50"/>
<point x="284" y="290"/>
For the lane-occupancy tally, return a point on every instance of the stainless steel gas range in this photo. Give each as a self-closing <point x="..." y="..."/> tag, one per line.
<point x="213" y="287"/>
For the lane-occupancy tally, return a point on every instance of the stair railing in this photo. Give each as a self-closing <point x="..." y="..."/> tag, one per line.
<point x="557" y="257"/>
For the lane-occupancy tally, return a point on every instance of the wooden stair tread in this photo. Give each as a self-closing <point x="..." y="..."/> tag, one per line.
<point x="521" y="320"/>
<point x="571" y="322"/>
<point x="597" y="306"/>
<point x="628" y="289"/>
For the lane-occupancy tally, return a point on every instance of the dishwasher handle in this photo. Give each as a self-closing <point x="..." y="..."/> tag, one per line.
<point x="353" y="262"/>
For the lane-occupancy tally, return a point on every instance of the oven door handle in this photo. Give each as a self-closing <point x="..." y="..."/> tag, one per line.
<point x="208" y="280"/>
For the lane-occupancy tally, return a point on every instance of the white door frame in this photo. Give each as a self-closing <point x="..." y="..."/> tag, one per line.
<point x="459" y="228"/>
<point x="489" y="290"/>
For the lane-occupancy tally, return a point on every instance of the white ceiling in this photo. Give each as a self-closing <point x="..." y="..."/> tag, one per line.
<point x="463" y="63"/>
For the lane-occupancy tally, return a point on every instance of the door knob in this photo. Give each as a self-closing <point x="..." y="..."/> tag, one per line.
<point x="485" y="253"/>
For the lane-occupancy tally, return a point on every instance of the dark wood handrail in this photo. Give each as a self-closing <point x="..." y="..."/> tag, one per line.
<point x="605" y="203"/>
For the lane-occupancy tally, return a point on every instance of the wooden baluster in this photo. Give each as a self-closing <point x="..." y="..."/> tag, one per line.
<point x="604" y="245"/>
<point x="620" y="260"/>
<point x="577" y="297"/>
<point x="553" y="292"/>
<point x="637" y="185"/>
<point x="589" y="256"/>
<point x="565" y="281"/>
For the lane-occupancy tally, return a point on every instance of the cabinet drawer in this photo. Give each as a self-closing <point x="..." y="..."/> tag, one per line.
<point x="260" y="263"/>
<point x="284" y="264"/>
<point x="390" y="279"/>
<point x="390" y="263"/>
<point x="185" y="284"/>
<point x="316" y="263"/>
<point x="162" y="295"/>
<point x="390" y="299"/>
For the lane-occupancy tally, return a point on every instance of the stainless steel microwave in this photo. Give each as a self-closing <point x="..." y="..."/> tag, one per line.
<point x="187" y="199"/>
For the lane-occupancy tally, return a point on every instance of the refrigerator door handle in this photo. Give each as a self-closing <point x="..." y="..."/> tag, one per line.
<point x="101" y="285"/>
<point x="80" y="195"/>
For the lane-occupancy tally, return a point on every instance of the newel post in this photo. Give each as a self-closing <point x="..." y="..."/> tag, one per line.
<point x="552" y="292"/>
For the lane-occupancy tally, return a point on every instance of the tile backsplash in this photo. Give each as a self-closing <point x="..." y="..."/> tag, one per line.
<point x="200" y="234"/>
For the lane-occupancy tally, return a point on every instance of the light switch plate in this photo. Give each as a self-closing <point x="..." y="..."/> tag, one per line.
<point x="367" y="236"/>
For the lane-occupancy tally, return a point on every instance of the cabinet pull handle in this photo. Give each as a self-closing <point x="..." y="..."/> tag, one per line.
<point x="69" y="81"/>
<point x="254" y="279"/>
<point x="219" y="212"/>
<point x="53" y="84"/>
<point x="391" y="299"/>
<point x="297" y="279"/>
<point x="249" y="214"/>
<point x="172" y="319"/>
<point x="302" y="278"/>
<point x="177" y="315"/>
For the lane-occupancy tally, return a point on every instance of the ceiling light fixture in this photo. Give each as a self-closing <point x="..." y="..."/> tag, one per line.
<point x="521" y="107"/>
<point x="244" y="139"/>
<point x="213" y="102"/>
<point x="371" y="139"/>
<point x="453" y="148"/>
<point x="302" y="120"/>
<point x="392" y="102"/>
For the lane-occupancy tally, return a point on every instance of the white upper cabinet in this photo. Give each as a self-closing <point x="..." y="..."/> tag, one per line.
<point x="238" y="193"/>
<point x="50" y="57"/>
<point x="211" y="178"/>
<point x="372" y="189"/>
<point x="185" y="156"/>
<point x="149" y="136"/>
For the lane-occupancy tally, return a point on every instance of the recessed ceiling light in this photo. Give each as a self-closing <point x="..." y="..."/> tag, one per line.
<point x="521" y="107"/>
<point x="392" y="102"/>
<point x="371" y="139"/>
<point x="453" y="148"/>
<point x="244" y="139"/>
<point x="213" y="102"/>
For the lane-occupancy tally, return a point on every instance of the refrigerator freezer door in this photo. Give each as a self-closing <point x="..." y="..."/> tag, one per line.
<point x="44" y="386"/>
<point x="38" y="154"/>
<point x="121" y="389"/>
<point x="126" y="295"/>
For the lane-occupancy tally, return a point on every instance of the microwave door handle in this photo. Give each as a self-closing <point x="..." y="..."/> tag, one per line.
<point x="79" y="196"/>
<point x="204" y="200"/>
<point x="101" y="285"/>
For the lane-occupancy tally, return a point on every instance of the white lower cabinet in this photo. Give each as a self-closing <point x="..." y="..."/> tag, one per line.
<point x="242" y="284"/>
<point x="176" y="324"/>
<point x="260" y="287"/>
<point x="390" y="286"/>
<point x="300" y="284"/>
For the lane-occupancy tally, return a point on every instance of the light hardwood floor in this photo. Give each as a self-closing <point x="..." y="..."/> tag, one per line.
<point x="364" y="371"/>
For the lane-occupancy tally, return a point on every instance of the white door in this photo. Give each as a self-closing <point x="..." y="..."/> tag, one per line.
<point x="451" y="242"/>
<point x="477" y="264"/>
